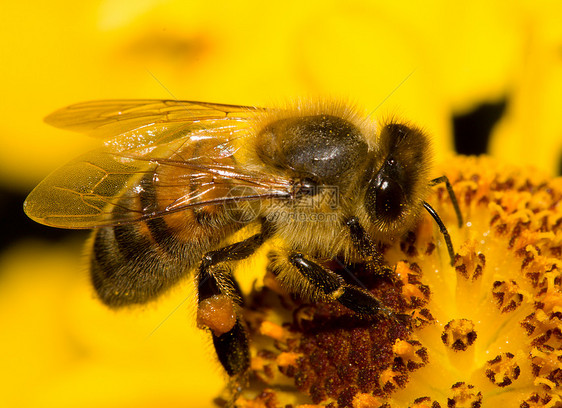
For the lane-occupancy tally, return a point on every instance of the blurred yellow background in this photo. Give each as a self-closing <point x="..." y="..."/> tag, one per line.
<point x="421" y="61"/>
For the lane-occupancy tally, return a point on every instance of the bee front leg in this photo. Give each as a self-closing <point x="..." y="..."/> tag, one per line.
<point x="220" y="302"/>
<point x="332" y="287"/>
<point x="368" y="250"/>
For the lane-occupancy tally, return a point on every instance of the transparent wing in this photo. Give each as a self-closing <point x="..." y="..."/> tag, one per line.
<point x="102" y="188"/>
<point x="108" y="118"/>
<point x="150" y="170"/>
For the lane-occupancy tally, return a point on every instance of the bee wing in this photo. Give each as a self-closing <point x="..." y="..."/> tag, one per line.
<point x="108" y="118"/>
<point x="104" y="188"/>
<point x="149" y="170"/>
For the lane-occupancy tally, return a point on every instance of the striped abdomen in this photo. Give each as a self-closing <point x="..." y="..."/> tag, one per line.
<point x="135" y="262"/>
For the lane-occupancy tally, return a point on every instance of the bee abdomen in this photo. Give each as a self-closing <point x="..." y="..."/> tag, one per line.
<point x="134" y="263"/>
<point x="126" y="269"/>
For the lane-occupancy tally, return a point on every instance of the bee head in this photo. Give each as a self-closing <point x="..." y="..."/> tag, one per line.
<point x="396" y="185"/>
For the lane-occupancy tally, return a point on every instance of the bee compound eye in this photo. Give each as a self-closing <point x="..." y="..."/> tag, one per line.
<point x="385" y="199"/>
<point x="389" y="199"/>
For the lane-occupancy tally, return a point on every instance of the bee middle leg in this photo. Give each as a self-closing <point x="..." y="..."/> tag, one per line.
<point x="220" y="301"/>
<point x="328" y="285"/>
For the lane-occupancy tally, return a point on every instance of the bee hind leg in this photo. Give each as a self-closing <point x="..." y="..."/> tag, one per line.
<point x="220" y="301"/>
<point x="218" y="310"/>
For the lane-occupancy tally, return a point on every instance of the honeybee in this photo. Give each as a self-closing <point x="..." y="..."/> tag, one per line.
<point x="176" y="181"/>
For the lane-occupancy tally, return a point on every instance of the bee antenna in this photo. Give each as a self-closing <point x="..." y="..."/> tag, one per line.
<point x="452" y="195"/>
<point x="443" y="230"/>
